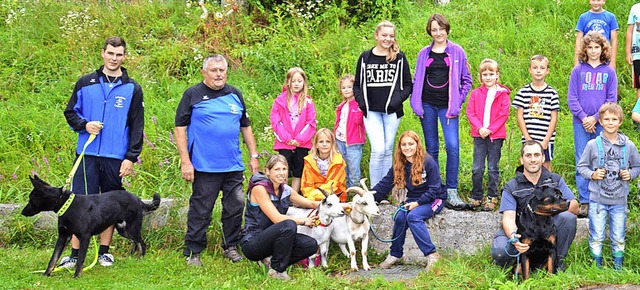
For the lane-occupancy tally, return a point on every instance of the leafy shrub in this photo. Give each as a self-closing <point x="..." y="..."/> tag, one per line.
<point x="357" y="11"/>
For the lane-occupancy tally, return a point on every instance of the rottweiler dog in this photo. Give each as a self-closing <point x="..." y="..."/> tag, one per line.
<point x="536" y="228"/>
<point x="88" y="215"/>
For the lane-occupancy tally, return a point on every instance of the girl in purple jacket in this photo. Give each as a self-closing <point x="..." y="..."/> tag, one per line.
<point x="440" y="86"/>
<point x="293" y="119"/>
<point x="349" y="130"/>
<point x="592" y="83"/>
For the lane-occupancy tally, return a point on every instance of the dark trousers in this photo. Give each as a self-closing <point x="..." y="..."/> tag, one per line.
<point x="503" y="252"/>
<point x="489" y="150"/>
<point x="206" y="187"/>
<point x="97" y="174"/>
<point x="282" y="242"/>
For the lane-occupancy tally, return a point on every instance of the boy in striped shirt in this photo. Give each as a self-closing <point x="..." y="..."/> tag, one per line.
<point x="537" y="106"/>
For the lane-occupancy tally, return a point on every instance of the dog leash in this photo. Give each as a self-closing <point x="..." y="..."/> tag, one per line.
<point x="75" y="165"/>
<point x="393" y="217"/>
<point x="512" y="241"/>
<point x="66" y="205"/>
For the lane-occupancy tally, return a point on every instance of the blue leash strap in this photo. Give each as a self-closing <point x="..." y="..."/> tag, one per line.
<point x="516" y="255"/>
<point x="393" y="217"/>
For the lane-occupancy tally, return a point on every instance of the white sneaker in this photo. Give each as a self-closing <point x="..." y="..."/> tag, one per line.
<point x="106" y="260"/>
<point x="68" y="262"/>
<point x="390" y="261"/>
<point x="431" y="260"/>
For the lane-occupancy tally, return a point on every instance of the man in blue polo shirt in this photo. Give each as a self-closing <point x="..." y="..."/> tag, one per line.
<point x="208" y="120"/>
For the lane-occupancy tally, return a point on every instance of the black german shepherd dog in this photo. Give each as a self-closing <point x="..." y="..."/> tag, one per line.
<point x="89" y="215"/>
<point x="536" y="228"/>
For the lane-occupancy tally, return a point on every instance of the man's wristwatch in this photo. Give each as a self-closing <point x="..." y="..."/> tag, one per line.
<point x="255" y="155"/>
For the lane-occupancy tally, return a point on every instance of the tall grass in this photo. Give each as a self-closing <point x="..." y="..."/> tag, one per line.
<point x="47" y="45"/>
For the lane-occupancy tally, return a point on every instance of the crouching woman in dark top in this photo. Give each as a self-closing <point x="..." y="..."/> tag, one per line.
<point x="417" y="172"/>
<point x="268" y="231"/>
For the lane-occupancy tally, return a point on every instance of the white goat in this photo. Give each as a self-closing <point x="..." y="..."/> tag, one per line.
<point x="329" y="209"/>
<point x="355" y="225"/>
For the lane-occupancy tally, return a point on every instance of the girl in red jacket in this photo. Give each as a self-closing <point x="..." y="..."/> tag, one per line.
<point x="349" y="130"/>
<point x="293" y="119"/>
<point x="487" y="111"/>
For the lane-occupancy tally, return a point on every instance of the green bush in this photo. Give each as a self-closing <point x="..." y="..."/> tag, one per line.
<point x="351" y="11"/>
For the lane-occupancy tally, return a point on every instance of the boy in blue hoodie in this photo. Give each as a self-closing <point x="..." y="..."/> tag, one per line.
<point x="609" y="162"/>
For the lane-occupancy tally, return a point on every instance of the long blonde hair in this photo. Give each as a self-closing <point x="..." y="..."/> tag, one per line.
<point x="395" y="48"/>
<point x="304" y="94"/>
<point x="314" y="149"/>
<point x="399" y="161"/>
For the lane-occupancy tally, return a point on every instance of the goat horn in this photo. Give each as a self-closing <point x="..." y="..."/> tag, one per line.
<point x="326" y="194"/>
<point x="364" y="185"/>
<point x="356" y="189"/>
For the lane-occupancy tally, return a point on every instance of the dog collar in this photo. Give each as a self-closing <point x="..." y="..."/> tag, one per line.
<point x="66" y="205"/>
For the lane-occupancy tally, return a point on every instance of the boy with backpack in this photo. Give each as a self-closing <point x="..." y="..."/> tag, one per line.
<point x="609" y="162"/>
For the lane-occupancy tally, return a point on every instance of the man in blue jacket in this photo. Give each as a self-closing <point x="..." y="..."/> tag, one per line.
<point x="108" y="104"/>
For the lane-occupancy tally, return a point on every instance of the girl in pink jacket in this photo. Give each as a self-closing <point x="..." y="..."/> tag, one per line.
<point x="487" y="111"/>
<point x="293" y="119"/>
<point x="349" y="130"/>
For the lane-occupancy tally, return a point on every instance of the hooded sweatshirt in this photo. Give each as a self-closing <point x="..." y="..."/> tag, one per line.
<point x="589" y="88"/>
<point x="382" y="86"/>
<point x="426" y="192"/>
<point x="284" y="130"/>
<point x="611" y="190"/>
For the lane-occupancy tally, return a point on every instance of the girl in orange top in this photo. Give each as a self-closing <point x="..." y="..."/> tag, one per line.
<point x="324" y="168"/>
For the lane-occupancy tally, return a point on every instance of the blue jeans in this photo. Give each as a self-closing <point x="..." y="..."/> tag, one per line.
<point x="580" y="139"/>
<point x="450" y="129"/>
<point x="485" y="149"/>
<point x="352" y="156"/>
<point x="565" y="223"/>
<point x="617" y="215"/>
<point x="381" y="131"/>
<point x="414" y="220"/>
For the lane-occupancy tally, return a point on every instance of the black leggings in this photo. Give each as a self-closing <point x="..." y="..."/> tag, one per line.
<point x="282" y="242"/>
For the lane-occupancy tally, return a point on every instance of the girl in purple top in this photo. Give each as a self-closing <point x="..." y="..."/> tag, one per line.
<point x="592" y="83"/>
<point x="441" y="84"/>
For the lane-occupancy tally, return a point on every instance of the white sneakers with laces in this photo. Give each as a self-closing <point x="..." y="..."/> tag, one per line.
<point x="106" y="260"/>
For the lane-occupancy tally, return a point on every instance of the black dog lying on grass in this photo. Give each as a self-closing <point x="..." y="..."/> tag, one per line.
<point x="88" y="215"/>
<point x="536" y="228"/>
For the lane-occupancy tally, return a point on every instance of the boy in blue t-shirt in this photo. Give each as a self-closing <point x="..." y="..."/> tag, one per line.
<point x="598" y="19"/>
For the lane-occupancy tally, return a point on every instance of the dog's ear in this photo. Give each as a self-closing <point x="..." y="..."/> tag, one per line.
<point x="37" y="182"/>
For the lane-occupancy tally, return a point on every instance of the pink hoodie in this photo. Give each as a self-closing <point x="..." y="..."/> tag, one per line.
<point x="281" y="123"/>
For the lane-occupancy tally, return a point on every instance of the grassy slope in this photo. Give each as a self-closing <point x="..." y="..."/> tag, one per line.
<point x="46" y="46"/>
